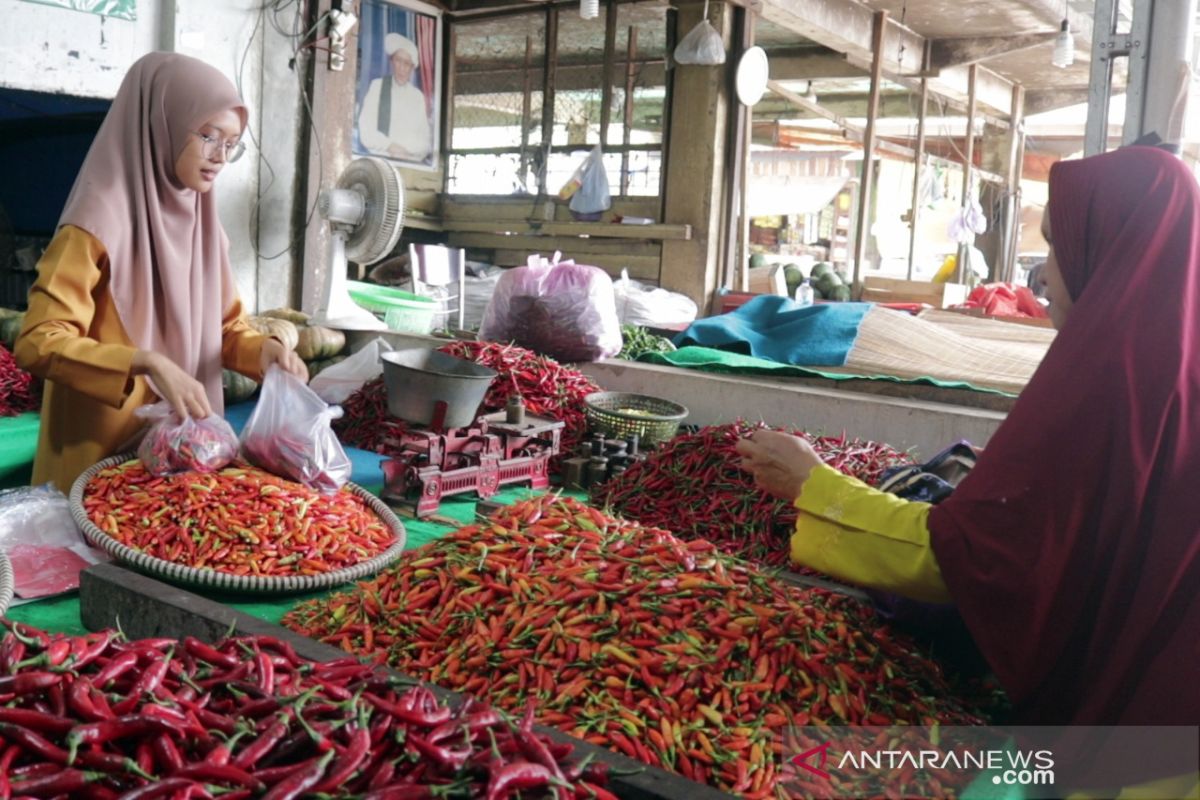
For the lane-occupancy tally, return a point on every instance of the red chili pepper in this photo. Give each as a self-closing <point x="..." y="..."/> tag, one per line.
<point x="299" y="783"/>
<point x="26" y="682"/>
<point x="518" y="776"/>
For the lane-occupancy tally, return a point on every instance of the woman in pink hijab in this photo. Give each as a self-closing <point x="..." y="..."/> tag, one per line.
<point x="135" y="299"/>
<point x="1072" y="550"/>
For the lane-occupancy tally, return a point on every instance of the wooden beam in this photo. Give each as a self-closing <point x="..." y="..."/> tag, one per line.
<point x="846" y="26"/>
<point x="918" y="172"/>
<point x="1040" y="100"/>
<point x="595" y="230"/>
<point x="961" y="51"/>
<point x="867" y="179"/>
<point x="961" y="266"/>
<point x="627" y="127"/>
<point x="1016" y="169"/>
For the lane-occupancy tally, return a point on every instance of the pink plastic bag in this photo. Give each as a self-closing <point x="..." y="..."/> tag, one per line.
<point x="201" y="445"/>
<point x="558" y="308"/>
<point x="288" y="434"/>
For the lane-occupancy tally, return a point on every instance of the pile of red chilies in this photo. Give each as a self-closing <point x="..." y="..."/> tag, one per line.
<point x="99" y="717"/>
<point x="547" y="388"/>
<point x="693" y="486"/>
<point x="629" y="638"/>
<point x="240" y="520"/>
<point x="19" y="391"/>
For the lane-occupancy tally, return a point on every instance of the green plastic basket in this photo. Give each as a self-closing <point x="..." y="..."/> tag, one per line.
<point x="402" y="311"/>
<point x="620" y="414"/>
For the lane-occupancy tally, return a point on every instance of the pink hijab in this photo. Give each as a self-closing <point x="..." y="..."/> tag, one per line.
<point x="1073" y="548"/>
<point x="168" y="256"/>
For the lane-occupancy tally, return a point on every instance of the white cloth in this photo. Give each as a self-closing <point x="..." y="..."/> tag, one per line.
<point x="394" y="41"/>
<point x="410" y="126"/>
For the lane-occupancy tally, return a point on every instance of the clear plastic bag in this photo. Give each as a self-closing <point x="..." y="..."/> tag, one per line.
<point x="650" y="306"/>
<point x="40" y="538"/>
<point x="288" y="434"/>
<point x="701" y="45"/>
<point x="171" y="445"/>
<point x="593" y="196"/>
<point x="560" y="309"/>
<point x="335" y="384"/>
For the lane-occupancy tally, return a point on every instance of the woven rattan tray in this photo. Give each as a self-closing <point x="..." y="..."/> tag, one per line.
<point x="6" y="584"/>
<point x="224" y="581"/>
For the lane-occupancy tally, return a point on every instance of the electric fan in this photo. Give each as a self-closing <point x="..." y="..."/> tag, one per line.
<point x="366" y="214"/>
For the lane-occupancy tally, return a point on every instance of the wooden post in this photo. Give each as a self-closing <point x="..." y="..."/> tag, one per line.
<point x="960" y="268"/>
<point x="526" y="106"/>
<point x="867" y="178"/>
<point x="735" y="273"/>
<point x="1016" y="157"/>
<point x="630" y="78"/>
<point x="695" y="175"/>
<point x="327" y="141"/>
<point x="610" y="49"/>
<point x="548" y="93"/>
<point x="918" y="173"/>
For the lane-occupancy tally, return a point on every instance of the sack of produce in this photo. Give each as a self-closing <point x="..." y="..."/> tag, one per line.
<point x="556" y="308"/>
<point x="289" y="434"/>
<point x="189" y="445"/>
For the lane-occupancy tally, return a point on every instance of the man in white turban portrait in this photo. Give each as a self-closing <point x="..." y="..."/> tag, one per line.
<point x="393" y="121"/>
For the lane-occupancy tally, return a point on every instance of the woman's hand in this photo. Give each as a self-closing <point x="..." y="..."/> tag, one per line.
<point x="273" y="352"/>
<point x="779" y="462"/>
<point x="185" y="394"/>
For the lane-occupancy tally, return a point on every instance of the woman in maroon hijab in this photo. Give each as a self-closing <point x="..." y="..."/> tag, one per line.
<point x="135" y="298"/>
<point x="1072" y="550"/>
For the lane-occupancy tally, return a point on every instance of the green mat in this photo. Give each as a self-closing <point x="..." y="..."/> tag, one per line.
<point x="20" y="435"/>
<point x="708" y="359"/>
<point x="61" y="614"/>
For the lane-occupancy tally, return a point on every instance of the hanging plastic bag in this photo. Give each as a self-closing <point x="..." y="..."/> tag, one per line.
<point x="593" y="196"/>
<point x="651" y="306"/>
<point x="560" y="309"/>
<point x="702" y="45"/>
<point x="171" y="445"/>
<point x="335" y="384"/>
<point x="289" y="434"/>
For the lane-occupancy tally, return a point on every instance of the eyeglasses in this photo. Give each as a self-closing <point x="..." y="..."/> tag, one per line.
<point x="231" y="148"/>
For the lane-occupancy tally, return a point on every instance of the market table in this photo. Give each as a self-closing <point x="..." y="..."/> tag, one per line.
<point x="61" y="614"/>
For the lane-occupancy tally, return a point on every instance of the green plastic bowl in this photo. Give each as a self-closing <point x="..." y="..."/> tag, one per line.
<point x="402" y="311"/>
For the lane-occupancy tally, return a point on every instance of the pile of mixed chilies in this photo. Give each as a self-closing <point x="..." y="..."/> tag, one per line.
<point x="100" y="717"/>
<point x="239" y="520"/>
<point x="694" y="487"/>
<point x="668" y="651"/>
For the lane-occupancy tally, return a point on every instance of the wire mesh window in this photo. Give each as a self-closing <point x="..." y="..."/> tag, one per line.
<point x="499" y="118"/>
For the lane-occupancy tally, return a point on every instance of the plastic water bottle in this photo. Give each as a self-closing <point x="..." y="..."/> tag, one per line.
<point x="804" y="293"/>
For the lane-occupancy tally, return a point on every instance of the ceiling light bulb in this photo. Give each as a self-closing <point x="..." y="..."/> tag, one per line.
<point x="589" y="9"/>
<point x="1064" y="47"/>
<point x="809" y="94"/>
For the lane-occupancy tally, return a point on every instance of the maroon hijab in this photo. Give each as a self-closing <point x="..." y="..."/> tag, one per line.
<point x="1073" y="548"/>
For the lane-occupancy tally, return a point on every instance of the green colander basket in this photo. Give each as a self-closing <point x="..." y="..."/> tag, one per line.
<point x="620" y="414"/>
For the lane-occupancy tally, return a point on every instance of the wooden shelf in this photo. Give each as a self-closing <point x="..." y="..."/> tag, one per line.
<point x="598" y="230"/>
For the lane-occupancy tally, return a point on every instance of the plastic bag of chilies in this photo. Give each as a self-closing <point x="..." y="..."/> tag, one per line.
<point x="557" y="308"/>
<point x="172" y="445"/>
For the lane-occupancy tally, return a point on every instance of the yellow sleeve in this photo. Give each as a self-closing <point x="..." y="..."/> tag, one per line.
<point x="58" y="341"/>
<point x="241" y="345"/>
<point x="867" y="537"/>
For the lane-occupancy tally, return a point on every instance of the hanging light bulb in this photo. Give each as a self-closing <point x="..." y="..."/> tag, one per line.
<point x="809" y="94"/>
<point x="1064" y="47"/>
<point x="589" y="9"/>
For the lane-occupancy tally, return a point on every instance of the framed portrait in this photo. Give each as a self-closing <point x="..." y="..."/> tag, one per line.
<point x="398" y="89"/>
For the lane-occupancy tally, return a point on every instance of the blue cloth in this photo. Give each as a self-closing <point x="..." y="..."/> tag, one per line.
<point x="365" y="469"/>
<point x="778" y="329"/>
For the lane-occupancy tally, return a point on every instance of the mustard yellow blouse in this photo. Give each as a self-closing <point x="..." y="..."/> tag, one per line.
<point x="863" y="536"/>
<point x="73" y="338"/>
